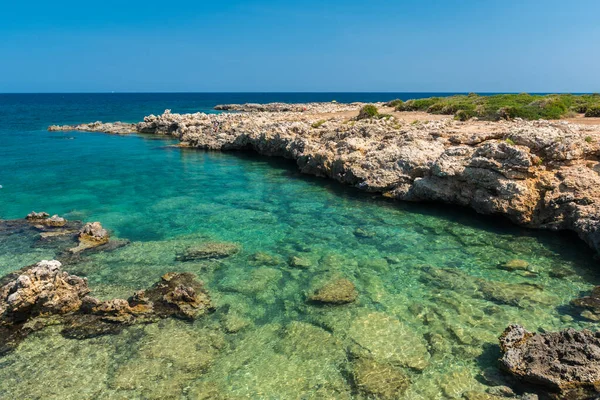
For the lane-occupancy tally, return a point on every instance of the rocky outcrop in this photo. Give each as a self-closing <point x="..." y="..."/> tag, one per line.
<point x="43" y="218"/>
<point x="41" y="294"/>
<point x="539" y="174"/>
<point x="90" y="235"/>
<point x="295" y="107"/>
<point x="41" y="290"/>
<point x="67" y="238"/>
<point x="566" y="364"/>
<point x="117" y="128"/>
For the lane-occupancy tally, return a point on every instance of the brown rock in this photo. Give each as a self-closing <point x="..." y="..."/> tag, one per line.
<point x="90" y="236"/>
<point x="565" y="364"/>
<point x="40" y="290"/>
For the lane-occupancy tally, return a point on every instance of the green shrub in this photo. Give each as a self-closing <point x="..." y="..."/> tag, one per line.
<point x="588" y="139"/>
<point x="368" y="111"/>
<point x="394" y="103"/>
<point x="593" y="111"/>
<point x="318" y="123"/>
<point x="507" y="106"/>
<point x="464" y="115"/>
<point x="510" y="141"/>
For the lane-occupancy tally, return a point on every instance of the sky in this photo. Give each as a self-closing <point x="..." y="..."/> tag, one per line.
<point x="300" y="46"/>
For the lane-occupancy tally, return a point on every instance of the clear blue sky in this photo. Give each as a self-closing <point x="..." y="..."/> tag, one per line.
<point x="309" y="45"/>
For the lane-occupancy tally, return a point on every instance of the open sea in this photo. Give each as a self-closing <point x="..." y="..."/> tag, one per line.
<point x="432" y="298"/>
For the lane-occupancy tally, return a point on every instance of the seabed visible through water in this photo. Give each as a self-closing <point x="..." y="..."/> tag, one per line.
<point x="432" y="298"/>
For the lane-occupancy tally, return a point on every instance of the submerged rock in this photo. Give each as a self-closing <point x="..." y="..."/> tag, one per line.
<point x="379" y="379"/>
<point x="515" y="265"/>
<point x="209" y="250"/>
<point x="261" y="258"/>
<point x="300" y="262"/>
<point x="43" y="293"/>
<point x="514" y="294"/>
<point x="387" y="340"/>
<point x="565" y="364"/>
<point x="363" y="233"/>
<point x="338" y="291"/>
<point x="590" y="305"/>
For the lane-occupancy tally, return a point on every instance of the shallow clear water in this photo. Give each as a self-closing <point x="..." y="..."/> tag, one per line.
<point x="432" y="299"/>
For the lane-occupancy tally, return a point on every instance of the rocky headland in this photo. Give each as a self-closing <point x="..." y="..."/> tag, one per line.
<point x="539" y="174"/>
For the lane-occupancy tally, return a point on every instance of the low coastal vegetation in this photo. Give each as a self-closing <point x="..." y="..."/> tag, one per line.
<point x="505" y="106"/>
<point x="370" y="111"/>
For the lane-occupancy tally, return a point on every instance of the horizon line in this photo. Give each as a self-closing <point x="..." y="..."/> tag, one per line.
<point x="304" y="92"/>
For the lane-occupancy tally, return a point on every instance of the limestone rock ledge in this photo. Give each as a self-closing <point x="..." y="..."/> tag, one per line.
<point x="539" y="174"/>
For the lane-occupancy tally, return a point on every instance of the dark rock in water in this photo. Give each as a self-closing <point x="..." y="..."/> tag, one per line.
<point x="590" y="305"/>
<point x="381" y="380"/>
<point x="43" y="293"/>
<point x="338" y="291"/>
<point x="209" y="250"/>
<point x="566" y="364"/>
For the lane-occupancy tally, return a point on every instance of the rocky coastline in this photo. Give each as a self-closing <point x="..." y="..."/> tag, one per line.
<point x="538" y="174"/>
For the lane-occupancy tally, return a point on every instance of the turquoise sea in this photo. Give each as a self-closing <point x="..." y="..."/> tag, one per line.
<point x="432" y="298"/>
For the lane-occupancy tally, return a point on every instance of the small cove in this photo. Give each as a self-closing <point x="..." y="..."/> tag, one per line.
<point x="427" y="275"/>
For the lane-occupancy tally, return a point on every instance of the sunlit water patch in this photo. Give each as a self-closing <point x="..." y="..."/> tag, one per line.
<point x="432" y="296"/>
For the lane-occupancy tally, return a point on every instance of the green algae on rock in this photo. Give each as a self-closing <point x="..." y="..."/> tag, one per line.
<point x="381" y="380"/>
<point x="337" y="291"/>
<point x="386" y="339"/>
<point x="209" y="250"/>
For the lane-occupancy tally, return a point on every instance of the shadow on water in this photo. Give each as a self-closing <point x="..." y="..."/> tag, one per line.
<point x="564" y="244"/>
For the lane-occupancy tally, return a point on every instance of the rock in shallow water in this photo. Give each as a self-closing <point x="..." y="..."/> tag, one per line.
<point x="590" y="305"/>
<point x="43" y="293"/>
<point x="566" y="364"/>
<point x="338" y="291"/>
<point x="381" y="380"/>
<point x="209" y="250"/>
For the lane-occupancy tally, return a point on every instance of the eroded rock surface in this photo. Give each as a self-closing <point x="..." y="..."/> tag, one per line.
<point x="566" y="363"/>
<point x="91" y="235"/>
<point x="44" y="294"/>
<point x="538" y="174"/>
<point x="117" y="128"/>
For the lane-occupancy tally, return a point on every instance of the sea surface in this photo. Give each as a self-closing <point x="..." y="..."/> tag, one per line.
<point x="432" y="296"/>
